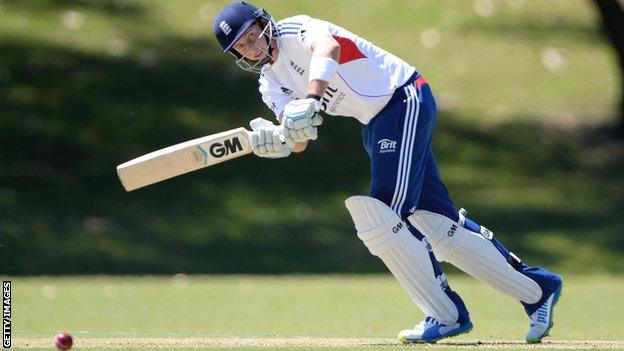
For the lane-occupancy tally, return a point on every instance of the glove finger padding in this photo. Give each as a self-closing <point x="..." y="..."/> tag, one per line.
<point x="289" y="141"/>
<point x="311" y="133"/>
<point x="268" y="135"/>
<point x="258" y="146"/>
<point x="283" y="153"/>
<point x="276" y="147"/>
<point x="317" y="120"/>
<point x="266" y="139"/>
<point x="301" y="134"/>
<point x="276" y="139"/>
<point x="289" y="124"/>
<point x="259" y="123"/>
<point x="301" y="123"/>
<point x="267" y="142"/>
<point x="255" y="140"/>
<point x="299" y="119"/>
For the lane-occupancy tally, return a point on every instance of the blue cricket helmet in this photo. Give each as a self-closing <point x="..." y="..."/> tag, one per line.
<point x="231" y="24"/>
<point x="233" y="21"/>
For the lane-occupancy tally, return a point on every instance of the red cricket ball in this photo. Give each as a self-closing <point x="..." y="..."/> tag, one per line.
<point x="63" y="341"/>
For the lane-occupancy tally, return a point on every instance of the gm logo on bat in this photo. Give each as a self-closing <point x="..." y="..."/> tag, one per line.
<point x="220" y="149"/>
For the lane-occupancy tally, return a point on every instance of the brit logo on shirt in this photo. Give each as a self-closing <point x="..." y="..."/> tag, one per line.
<point x="386" y="145"/>
<point x="286" y="91"/>
<point x="297" y="68"/>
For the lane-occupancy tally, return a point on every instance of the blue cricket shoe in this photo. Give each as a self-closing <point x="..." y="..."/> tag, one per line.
<point x="542" y="318"/>
<point x="430" y="331"/>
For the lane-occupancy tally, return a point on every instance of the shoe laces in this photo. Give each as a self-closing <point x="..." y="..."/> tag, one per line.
<point x="431" y="321"/>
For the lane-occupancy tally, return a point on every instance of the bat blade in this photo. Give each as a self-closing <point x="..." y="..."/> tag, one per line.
<point x="183" y="158"/>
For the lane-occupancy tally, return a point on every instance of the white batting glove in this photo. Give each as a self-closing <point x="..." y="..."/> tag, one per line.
<point x="267" y="139"/>
<point x="300" y="119"/>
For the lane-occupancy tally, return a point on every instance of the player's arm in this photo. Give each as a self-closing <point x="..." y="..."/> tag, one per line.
<point x="301" y="117"/>
<point x="323" y="46"/>
<point x="325" y="49"/>
<point x="267" y="138"/>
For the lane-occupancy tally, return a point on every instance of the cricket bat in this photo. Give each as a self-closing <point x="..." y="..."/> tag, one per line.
<point x="184" y="157"/>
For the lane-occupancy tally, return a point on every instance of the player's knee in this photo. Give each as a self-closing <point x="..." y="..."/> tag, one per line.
<point x="376" y="224"/>
<point x="444" y="234"/>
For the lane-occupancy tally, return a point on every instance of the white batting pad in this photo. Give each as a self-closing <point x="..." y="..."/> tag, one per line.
<point x="387" y="236"/>
<point x="474" y="254"/>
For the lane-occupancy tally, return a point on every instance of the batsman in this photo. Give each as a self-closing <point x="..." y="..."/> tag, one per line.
<point x="307" y="66"/>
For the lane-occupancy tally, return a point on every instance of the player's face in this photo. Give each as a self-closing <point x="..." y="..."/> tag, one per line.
<point x="252" y="45"/>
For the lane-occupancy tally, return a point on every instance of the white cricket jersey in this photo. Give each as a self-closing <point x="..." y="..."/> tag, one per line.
<point x="366" y="78"/>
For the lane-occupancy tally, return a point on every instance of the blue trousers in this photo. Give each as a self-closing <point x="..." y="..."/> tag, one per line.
<point x="405" y="175"/>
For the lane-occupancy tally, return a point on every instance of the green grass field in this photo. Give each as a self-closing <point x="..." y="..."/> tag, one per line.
<point x="290" y="312"/>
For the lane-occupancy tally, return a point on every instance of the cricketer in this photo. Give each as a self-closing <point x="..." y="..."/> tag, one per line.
<point x="307" y="66"/>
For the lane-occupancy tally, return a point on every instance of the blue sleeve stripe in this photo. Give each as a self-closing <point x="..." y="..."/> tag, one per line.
<point x="292" y="28"/>
<point x="289" y="25"/>
<point x="288" y="30"/>
<point x="283" y="34"/>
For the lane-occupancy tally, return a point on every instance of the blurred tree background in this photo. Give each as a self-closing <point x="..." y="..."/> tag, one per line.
<point x="612" y="18"/>
<point x="528" y="92"/>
